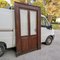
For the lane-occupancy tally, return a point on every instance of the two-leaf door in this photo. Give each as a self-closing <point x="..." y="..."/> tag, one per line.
<point x="28" y="30"/>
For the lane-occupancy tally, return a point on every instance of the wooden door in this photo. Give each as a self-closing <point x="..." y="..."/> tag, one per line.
<point x="28" y="28"/>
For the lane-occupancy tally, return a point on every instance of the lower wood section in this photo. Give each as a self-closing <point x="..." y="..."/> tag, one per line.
<point x="32" y="43"/>
<point x="18" y="47"/>
<point x="27" y="44"/>
<point x="24" y="44"/>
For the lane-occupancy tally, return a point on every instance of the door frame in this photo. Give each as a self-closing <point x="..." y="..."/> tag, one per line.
<point x="17" y="7"/>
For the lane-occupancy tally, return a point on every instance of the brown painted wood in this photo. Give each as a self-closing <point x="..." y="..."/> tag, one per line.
<point x="24" y="44"/>
<point x="31" y="42"/>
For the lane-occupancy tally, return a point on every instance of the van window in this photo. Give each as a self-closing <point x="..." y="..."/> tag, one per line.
<point x="44" y="22"/>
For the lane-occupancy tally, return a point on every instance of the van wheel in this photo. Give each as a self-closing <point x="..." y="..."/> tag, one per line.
<point x="48" y="40"/>
<point x="2" y="49"/>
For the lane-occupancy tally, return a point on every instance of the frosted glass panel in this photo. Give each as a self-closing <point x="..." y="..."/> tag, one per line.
<point x="33" y="22"/>
<point x="24" y="22"/>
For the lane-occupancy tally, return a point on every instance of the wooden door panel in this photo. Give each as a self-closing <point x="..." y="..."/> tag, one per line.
<point x="32" y="43"/>
<point x="24" y="44"/>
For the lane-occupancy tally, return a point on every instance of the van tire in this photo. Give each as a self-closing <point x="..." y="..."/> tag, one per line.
<point x="48" y="40"/>
<point x="2" y="49"/>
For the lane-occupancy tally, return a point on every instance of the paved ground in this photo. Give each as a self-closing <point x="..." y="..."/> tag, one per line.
<point x="51" y="52"/>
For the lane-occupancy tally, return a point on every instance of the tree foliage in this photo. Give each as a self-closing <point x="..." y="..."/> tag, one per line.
<point x="53" y="7"/>
<point x="12" y="1"/>
<point x="3" y="4"/>
<point x="40" y="4"/>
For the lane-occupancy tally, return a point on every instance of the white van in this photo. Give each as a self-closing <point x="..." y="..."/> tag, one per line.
<point x="47" y="33"/>
<point x="7" y="30"/>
